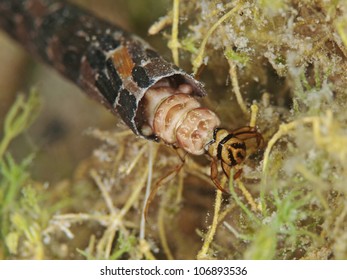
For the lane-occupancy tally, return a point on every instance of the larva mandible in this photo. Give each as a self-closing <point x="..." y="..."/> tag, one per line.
<point x="155" y="98"/>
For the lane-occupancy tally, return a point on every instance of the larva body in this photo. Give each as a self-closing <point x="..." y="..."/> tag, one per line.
<point x="178" y="118"/>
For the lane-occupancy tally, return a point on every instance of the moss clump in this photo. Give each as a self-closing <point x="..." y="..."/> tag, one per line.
<point x="21" y="218"/>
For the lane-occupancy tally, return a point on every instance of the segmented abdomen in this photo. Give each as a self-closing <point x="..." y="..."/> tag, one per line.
<point x="178" y="118"/>
<point x="110" y="64"/>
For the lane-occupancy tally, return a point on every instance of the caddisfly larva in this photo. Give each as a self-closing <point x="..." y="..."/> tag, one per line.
<point x="178" y="119"/>
<point x="155" y="98"/>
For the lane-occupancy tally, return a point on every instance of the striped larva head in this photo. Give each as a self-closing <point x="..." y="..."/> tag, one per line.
<point x="230" y="149"/>
<point x="227" y="148"/>
<point x="233" y="151"/>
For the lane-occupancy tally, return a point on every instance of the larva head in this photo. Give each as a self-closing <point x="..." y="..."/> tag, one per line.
<point x="227" y="147"/>
<point x="232" y="151"/>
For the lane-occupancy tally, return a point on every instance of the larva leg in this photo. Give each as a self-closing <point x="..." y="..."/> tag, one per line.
<point x="226" y="169"/>
<point x="165" y="179"/>
<point x="214" y="175"/>
<point x="248" y="132"/>
<point x="181" y="154"/>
